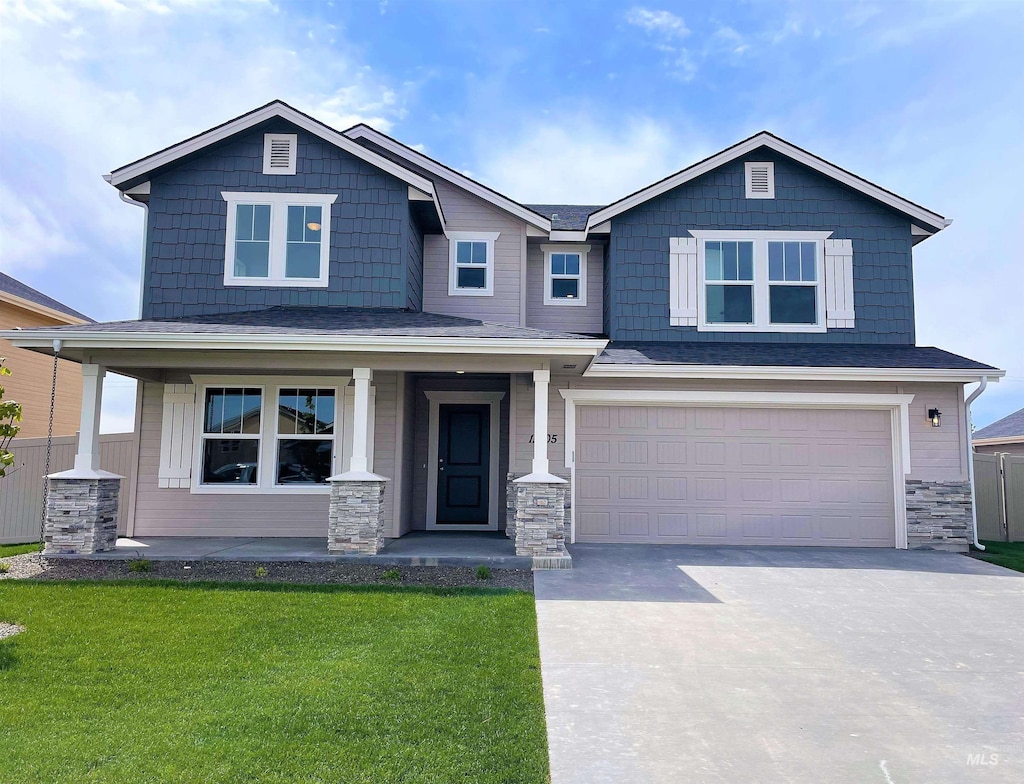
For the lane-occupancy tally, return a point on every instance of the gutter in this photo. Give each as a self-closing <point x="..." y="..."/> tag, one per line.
<point x="145" y="240"/>
<point x="970" y="457"/>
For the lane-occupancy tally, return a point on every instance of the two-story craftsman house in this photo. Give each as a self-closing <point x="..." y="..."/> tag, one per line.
<point x="343" y="338"/>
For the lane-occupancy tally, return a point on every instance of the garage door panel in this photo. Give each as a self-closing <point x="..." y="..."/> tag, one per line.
<point x="783" y="476"/>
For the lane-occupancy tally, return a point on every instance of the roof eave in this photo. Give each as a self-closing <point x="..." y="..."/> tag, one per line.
<point x="786" y="372"/>
<point x="915" y="212"/>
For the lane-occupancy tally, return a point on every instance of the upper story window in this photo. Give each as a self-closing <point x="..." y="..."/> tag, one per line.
<point x="760" y="281"/>
<point x="471" y="263"/>
<point x="565" y="274"/>
<point x="277" y="239"/>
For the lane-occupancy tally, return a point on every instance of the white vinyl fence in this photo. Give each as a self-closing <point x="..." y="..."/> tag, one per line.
<point x="21" y="491"/>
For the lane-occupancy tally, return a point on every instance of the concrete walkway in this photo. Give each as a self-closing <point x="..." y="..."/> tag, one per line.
<point x="683" y="664"/>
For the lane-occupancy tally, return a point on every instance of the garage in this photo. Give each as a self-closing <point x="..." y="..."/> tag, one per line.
<point x="679" y="474"/>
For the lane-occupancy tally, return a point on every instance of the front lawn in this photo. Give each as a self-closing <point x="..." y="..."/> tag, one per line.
<point x="1008" y="554"/>
<point x="169" y="682"/>
<point x="7" y="550"/>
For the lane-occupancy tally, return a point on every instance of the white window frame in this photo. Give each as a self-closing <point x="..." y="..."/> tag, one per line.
<point x="761" y="283"/>
<point x="550" y="277"/>
<point x="266" y="475"/>
<point x="279" y="204"/>
<point x="454" y="238"/>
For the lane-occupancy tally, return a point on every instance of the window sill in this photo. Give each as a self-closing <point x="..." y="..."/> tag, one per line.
<point x="765" y="329"/>
<point x="306" y="283"/>
<point x="566" y="303"/>
<point x="259" y="490"/>
<point x="470" y="293"/>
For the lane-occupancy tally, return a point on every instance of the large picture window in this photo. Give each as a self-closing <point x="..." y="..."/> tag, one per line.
<point x="760" y="281"/>
<point x="278" y="239"/>
<point x="283" y="435"/>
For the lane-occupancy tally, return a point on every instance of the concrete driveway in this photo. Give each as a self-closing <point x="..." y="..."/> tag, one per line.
<point x="685" y="664"/>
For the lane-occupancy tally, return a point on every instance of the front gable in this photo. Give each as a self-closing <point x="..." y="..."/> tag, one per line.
<point x="370" y="229"/>
<point x="805" y="200"/>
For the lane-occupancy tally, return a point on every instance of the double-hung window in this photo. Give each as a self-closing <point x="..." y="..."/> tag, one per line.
<point x="277" y="239"/>
<point x="282" y="436"/>
<point x="565" y="274"/>
<point x="230" y="442"/>
<point x="471" y="264"/>
<point x="760" y="281"/>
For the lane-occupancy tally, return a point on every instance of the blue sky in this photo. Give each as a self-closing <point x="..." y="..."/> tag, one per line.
<point x="545" y="101"/>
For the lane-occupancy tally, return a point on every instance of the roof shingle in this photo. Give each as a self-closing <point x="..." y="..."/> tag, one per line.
<point x="19" y="289"/>
<point x="1007" y="427"/>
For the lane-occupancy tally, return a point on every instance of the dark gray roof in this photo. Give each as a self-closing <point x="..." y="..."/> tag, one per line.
<point x="571" y="217"/>
<point x="786" y="355"/>
<point x="1012" y="425"/>
<point x="291" y="320"/>
<point x="19" y="289"/>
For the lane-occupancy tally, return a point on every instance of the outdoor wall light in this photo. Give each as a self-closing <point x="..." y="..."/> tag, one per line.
<point x="935" y="417"/>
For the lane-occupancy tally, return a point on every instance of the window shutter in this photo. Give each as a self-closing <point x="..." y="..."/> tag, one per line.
<point x="839" y="284"/>
<point x="279" y="151"/>
<point x="176" y="435"/>
<point x="683" y="282"/>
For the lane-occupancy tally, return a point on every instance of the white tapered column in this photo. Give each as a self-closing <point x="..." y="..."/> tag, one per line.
<point x="88" y="457"/>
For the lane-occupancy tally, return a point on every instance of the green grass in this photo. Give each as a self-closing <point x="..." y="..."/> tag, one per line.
<point x="1008" y="554"/>
<point x="159" y="682"/>
<point x="7" y="550"/>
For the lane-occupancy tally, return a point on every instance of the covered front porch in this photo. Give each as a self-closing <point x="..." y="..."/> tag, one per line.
<point x="359" y="446"/>
<point x="417" y="548"/>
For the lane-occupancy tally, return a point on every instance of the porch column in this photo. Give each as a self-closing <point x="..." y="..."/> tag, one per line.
<point x="81" y="504"/>
<point x="540" y="495"/>
<point x="356" y="514"/>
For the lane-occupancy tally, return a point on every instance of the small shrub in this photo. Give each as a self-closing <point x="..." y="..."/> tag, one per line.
<point x="392" y="574"/>
<point x="483" y="572"/>
<point x="139" y="566"/>
<point x="4" y="568"/>
<point x="261" y="571"/>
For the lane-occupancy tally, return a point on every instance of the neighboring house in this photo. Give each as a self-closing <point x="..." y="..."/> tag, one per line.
<point x="1005" y="435"/>
<point x="726" y="356"/>
<point x="22" y="307"/>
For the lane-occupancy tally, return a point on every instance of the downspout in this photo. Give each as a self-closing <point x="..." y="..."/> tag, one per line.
<point x="145" y="241"/>
<point x="970" y="457"/>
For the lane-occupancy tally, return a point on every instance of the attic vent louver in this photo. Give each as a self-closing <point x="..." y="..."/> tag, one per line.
<point x="279" y="153"/>
<point x="760" y="180"/>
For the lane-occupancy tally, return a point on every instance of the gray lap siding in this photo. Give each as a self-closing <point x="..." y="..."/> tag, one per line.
<point x="372" y="236"/>
<point x="638" y="268"/>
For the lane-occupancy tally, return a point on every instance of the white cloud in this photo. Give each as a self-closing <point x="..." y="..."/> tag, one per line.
<point x="578" y="160"/>
<point x="664" y="23"/>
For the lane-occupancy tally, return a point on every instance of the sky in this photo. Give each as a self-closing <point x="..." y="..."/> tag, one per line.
<point x="546" y="102"/>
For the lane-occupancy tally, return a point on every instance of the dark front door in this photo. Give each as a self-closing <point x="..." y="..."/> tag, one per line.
<point x="463" y="457"/>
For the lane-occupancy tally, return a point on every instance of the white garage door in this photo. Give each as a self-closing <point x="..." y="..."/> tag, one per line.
<point x="734" y="476"/>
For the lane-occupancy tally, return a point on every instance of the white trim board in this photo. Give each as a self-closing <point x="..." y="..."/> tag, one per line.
<point x="437" y="399"/>
<point x="998" y="440"/>
<point x="932" y="220"/>
<point x="898" y="405"/>
<point x="455" y="178"/>
<point x="785" y="372"/>
<point x="274" y="109"/>
<point x="43" y="310"/>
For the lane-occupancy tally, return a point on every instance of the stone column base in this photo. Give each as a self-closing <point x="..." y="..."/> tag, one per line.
<point x="356" y="522"/>
<point x="81" y="516"/>
<point x="540" y="519"/>
<point x="939" y="515"/>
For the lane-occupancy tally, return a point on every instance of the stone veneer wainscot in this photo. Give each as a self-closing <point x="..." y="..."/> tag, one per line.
<point x="81" y="516"/>
<point x="939" y="515"/>
<point x="356" y="521"/>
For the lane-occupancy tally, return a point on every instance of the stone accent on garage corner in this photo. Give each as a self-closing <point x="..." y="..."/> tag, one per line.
<point x="81" y="516"/>
<point x="356" y="517"/>
<point x="540" y="524"/>
<point x="939" y="515"/>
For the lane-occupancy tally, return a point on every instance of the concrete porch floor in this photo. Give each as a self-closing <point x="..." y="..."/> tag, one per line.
<point x="418" y="548"/>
